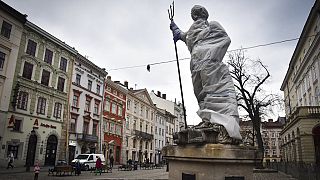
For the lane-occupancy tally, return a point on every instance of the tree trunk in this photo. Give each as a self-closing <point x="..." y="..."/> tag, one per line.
<point x="256" y="126"/>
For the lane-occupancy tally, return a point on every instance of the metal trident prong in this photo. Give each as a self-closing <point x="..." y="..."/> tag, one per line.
<point x="171" y="12"/>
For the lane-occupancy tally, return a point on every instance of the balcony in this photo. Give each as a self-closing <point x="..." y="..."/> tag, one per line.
<point x="143" y="135"/>
<point x="305" y="112"/>
<point x="87" y="137"/>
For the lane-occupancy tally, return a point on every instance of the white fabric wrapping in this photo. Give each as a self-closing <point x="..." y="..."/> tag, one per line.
<point x="212" y="82"/>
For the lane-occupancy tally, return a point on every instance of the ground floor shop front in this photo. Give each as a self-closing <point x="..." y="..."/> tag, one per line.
<point x="30" y="139"/>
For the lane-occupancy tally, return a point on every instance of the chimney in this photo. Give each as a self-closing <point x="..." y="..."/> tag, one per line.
<point x="126" y="84"/>
<point x="117" y="82"/>
<point x="131" y="89"/>
<point x="164" y="96"/>
<point x="158" y="93"/>
<point x="270" y="120"/>
<point x="109" y="77"/>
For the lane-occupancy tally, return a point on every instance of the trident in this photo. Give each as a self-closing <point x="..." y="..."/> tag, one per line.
<point x="171" y="14"/>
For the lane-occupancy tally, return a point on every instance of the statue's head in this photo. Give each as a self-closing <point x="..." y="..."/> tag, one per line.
<point x="199" y="12"/>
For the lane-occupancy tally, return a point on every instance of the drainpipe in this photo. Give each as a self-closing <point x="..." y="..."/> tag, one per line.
<point x="101" y="117"/>
<point x="67" y="117"/>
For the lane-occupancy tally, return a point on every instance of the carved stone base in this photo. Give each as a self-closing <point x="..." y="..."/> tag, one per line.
<point x="211" y="161"/>
<point x="203" y="133"/>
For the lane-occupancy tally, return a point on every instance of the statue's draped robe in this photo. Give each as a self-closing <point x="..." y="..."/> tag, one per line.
<point x="212" y="82"/>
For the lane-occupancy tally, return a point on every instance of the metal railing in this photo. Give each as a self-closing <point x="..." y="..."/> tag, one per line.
<point x="299" y="170"/>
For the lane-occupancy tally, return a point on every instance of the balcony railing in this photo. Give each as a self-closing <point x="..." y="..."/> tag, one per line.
<point x="87" y="137"/>
<point x="305" y="112"/>
<point x="143" y="135"/>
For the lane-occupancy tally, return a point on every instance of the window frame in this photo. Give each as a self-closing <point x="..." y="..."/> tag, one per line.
<point x="48" y="57"/>
<point x="27" y="72"/>
<point x="22" y="100"/>
<point x="2" y="59"/>
<point x="57" y="110"/>
<point x="6" y="29"/>
<point x="41" y="105"/>
<point x="78" y="79"/>
<point x="46" y="81"/>
<point x="61" y="84"/>
<point x="89" y="85"/>
<point x="31" y="48"/>
<point x="63" y="66"/>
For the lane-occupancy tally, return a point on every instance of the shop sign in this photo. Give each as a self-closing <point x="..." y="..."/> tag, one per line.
<point x="36" y="125"/>
<point x="48" y="126"/>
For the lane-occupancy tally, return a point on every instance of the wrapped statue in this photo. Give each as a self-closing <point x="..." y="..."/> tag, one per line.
<point x="213" y="86"/>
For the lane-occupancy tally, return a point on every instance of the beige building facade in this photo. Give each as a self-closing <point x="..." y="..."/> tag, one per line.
<point x="301" y="88"/>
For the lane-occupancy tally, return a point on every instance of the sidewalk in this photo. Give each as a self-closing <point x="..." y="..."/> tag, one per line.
<point x="19" y="170"/>
<point x="21" y="174"/>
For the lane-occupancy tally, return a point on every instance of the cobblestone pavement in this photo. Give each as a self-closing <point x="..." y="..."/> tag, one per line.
<point x="155" y="174"/>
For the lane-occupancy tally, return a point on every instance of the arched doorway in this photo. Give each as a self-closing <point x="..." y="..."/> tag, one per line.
<point x="316" y="138"/>
<point x="51" y="150"/>
<point x="31" y="152"/>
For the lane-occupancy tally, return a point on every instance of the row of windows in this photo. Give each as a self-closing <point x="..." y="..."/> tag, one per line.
<point x="115" y="92"/>
<point x="87" y="106"/>
<point x="78" y="82"/>
<point x="113" y="107"/>
<point x="85" y="130"/>
<point x="134" y="144"/>
<point x="22" y="103"/>
<point x="48" y="55"/>
<point x="112" y="128"/>
<point x="141" y="127"/>
<point x="158" y="143"/>
<point x="161" y="131"/>
<point x="45" y="77"/>
<point x="144" y="111"/>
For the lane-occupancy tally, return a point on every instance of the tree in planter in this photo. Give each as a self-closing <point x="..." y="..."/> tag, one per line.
<point x="249" y="77"/>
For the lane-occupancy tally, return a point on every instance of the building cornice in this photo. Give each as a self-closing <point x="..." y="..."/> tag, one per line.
<point x="86" y="62"/>
<point x="313" y="13"/>
<point x="14" y="13"/>
<point x="50" y="37"/>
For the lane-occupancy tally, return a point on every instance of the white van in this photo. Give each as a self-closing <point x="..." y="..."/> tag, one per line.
<point x="88" y="161"/>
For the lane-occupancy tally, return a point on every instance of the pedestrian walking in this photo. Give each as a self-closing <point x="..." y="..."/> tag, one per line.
<point x="36" y="170"/>
<point x="10" y="160"/>
<point x="98" y="166"/>
<point x="77" y="168"/>
<point x="111" y="161"/>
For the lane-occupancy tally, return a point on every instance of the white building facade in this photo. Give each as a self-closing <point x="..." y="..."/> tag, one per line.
<point x="11" y="23"/>
<point x="86" y="103"/>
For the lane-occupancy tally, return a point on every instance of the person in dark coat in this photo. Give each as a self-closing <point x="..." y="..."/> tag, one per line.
<point x="98" y="166"/>
<point x="111" y="161"/>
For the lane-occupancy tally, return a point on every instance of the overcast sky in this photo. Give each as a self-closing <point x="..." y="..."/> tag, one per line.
<point x="124" y="33"/>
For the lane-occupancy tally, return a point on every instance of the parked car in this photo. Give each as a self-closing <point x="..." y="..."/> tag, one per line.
<point x="88" y="161"/>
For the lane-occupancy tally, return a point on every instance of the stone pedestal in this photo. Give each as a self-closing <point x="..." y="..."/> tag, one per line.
<point x="211" y="162"/>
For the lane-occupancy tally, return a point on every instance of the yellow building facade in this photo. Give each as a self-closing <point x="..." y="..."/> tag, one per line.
<point x="301" y="133"/>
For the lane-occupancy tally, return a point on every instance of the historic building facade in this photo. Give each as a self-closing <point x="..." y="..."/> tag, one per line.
<point x="39" y="99"/>
<point x="301" y="88"/>
<point x="115" y="96"/>
<point x="11" y="23"/>
<point x="86" y="103"/>
<point x="174" y="112"/>
<point x="159" y="134"/>
<point x="140" y="117"/>
<point x="271" y="138"/>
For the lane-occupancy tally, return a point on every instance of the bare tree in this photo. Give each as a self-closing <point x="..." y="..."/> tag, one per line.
<point x="249" y="77"/>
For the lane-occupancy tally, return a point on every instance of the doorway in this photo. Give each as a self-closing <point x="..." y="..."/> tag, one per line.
<point x="31" y="152"/>
<point x="51" y="150"/>
<point x="72" y="152"/>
